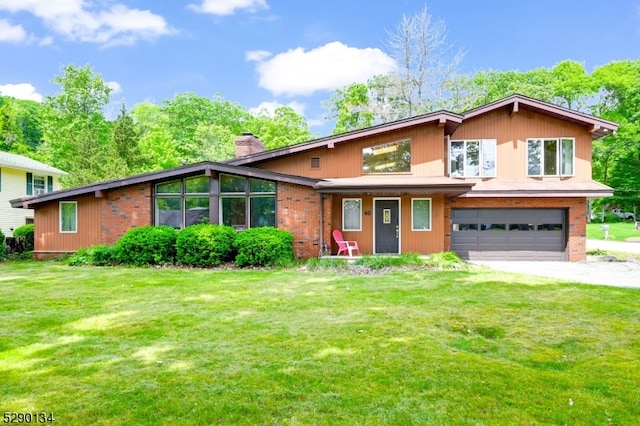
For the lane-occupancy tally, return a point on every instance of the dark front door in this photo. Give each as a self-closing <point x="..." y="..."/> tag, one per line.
<point x="387" y="226"/>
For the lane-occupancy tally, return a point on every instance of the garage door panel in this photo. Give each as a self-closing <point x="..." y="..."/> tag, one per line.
<point x="509" y="234"/>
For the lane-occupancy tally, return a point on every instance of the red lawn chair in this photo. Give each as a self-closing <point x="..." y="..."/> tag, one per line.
<point x="344" y="246"/>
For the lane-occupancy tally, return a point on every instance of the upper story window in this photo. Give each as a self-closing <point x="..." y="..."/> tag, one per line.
<point x="394" y="157"/>
<point x="184" y="202"/>
<point x="550" y="157"/>
<point x="472" y="158"/>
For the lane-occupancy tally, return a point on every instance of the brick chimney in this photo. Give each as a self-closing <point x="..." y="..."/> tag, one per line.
<point x="248" y="144"/>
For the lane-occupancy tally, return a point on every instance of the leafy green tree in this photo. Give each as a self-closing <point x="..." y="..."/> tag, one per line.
<point x="126" y="140"/>
<point x="76" y="134"/>
<point x="157" y="146"/>
<point x="350" y="108"/>
<point x="282" y="128"/>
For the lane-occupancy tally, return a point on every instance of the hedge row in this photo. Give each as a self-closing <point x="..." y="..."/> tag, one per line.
<point x="201" y="245"/>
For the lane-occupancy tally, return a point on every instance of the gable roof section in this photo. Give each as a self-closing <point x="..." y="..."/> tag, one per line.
<point x="597" y="126"/>
<point x="206" y="168"/>
<point x="442" y="118"/>
<point x="20" y="162"/>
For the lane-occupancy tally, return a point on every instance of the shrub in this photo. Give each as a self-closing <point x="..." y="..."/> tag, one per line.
<point x="147" y="245"/>
<point x="205" y="245"/>
<point x="445" y="260"/>
<point x="98" y="255"/>
<point x="389" y="261"/>
<point x="3" y="246"/>
<point x="26" y="232"/>
<point x="265" y="246"/>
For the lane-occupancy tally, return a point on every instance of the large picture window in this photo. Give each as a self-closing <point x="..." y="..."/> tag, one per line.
<point x="247" y="202"/>
<point x="472" y="158"/>
<point x="184" y="202"/>
<point x="550" y="157"/>
<point x="351" y="214"/>
<point x="421" y="214"/>
<point x="68" y="216"/>
<point x="394" y="157"/>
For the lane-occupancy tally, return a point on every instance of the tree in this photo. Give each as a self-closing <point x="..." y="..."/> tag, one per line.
<point x="76" y="134"/>
<point x="351" y="109"/>
<point x="126" y="139"/>
<point x="282" y="128"/>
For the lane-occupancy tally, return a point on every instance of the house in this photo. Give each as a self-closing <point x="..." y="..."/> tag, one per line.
<point x="22" y="176"/>
<point x="507" y="180"/>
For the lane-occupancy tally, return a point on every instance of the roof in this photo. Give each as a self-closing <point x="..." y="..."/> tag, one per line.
<point x="597" y="126"/>
<point x="16" y="161"/>
<point x="448" y="120"/>
<point x="547" y="187"/>
<point x="394" y="185"/>
<point x="205" y="167"/>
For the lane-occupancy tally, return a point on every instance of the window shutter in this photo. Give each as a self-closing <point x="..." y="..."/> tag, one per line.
<point x="29" y="183"/>
<point x="49" y="183"/>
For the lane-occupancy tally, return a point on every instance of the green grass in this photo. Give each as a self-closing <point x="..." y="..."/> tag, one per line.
<point x="113" y="346"/>
<point x="618" y="231"/>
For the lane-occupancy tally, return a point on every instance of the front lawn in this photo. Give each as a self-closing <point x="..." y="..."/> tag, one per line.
<point x="114" y="346"/>
<point x="618" y="231"/>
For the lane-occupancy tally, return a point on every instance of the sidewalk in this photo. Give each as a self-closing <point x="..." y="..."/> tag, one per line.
<point x="609" y="245"/>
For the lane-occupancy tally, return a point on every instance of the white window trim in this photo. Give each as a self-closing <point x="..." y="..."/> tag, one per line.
<point x="480" y="168"/>
<point x="558" y="156"/>
<point x="430" y="214"/>
<point x="38" y="191"/>
<point x="75" y="231"/>
<point x="344" y="228"/>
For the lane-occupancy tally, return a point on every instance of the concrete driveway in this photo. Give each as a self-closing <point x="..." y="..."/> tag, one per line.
<point x="593" y="271"/>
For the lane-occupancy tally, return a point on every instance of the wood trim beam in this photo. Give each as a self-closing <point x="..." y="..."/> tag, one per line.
<point x="515" y="108"/>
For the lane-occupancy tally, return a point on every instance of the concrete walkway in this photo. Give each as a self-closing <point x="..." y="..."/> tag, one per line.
<point x="593" y="271"/>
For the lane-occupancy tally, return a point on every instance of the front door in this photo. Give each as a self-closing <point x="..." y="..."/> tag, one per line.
<point x="387" y="226"/>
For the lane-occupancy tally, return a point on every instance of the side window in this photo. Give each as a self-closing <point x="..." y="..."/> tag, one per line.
<point x="421" y="214"/>
<point x="550" y="157"/>
<point x="68" y="216"/>
<point x="472" y="158"/>
<point x="352" y="214"/>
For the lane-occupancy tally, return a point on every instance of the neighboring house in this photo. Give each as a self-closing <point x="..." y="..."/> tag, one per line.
<point x="22" y="176"/>
<point x="508" y="180"/>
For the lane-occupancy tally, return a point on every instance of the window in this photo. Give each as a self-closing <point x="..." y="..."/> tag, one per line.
<point x="351" y="214"/>
<point x="472" y="158"/>
<point x="550" y="157"/>
<point x="392" y="157"/>
<point x="68" y="216"/>
<point x="421" y="214"/>
<point x="181" y="203"/>
<point x="39" y="185"/>
<point x="247" y="202"/>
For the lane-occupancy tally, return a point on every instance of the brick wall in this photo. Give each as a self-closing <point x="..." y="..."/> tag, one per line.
<point x="299" y="213"/>
<point x="123" y="209"/>
<point x="577" y="218"/>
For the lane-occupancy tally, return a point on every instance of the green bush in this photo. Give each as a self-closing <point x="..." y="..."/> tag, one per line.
<point x="205" y="245"/>
<point x="265" y="246"/>
<point x="98" y="255"/>
<point x="3" y="246"/>
<point x="445" y="260"/>
<point x="147" y="245"/>
<point x="26" y="232"/>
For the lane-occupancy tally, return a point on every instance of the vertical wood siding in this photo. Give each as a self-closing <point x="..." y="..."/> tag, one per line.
<point x="512" y="133"/>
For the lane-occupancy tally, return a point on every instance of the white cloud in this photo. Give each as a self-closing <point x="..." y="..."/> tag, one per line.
<point x="11" y="33"/>
<point x="270" y="107"/>
<point x="114" y="86"/>
<point x="21" y="91"/>
<point x="328" y="67"/>
<point x="257" y="55"/>
<point x="75" y="20"/>
<point x="228" y="7"/>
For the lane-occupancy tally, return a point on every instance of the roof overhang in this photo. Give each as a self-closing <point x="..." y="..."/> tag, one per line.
<point x="549" y="187"/>
<point x="448" y="121"/>
<point x="206" y="168"/>
<point x="598" y="127"/>
<point x="394" y="186"/>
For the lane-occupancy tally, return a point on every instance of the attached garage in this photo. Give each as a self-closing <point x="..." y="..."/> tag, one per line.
<point x="509" y="234"/>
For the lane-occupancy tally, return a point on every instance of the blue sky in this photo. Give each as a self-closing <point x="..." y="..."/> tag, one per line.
<point x="264" y="53"/>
